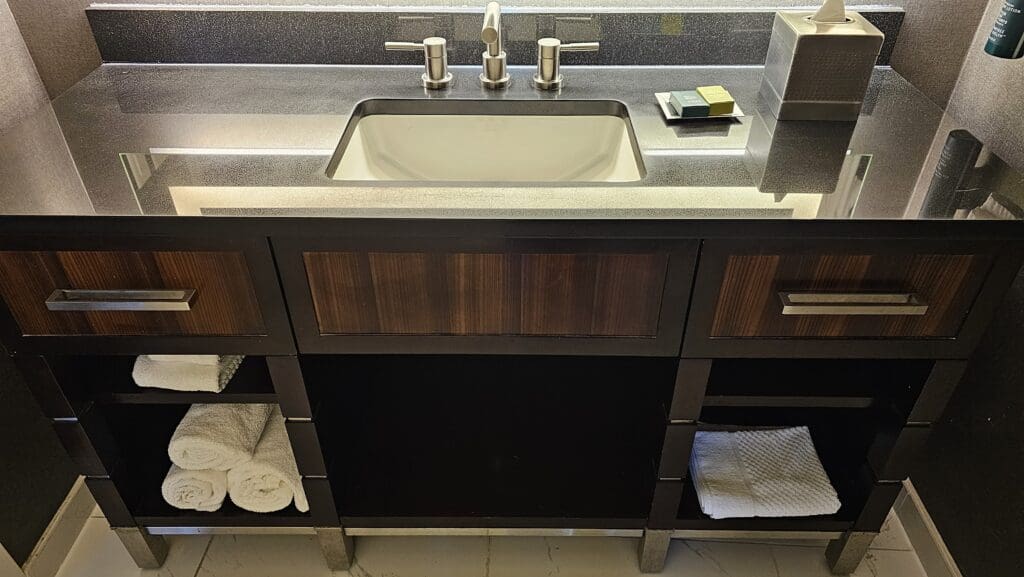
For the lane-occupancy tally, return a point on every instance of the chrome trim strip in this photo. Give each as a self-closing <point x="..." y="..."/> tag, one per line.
<point x="487" y="532"/>
<point x="231" y="530"/>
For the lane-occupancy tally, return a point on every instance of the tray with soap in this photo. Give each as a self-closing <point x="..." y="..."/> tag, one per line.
<point x="704" y="103"/>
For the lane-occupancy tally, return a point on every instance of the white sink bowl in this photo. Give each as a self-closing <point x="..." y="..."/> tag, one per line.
<point x="488" y="141"/>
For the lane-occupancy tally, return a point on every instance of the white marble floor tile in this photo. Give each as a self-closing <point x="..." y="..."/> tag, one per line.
<point x="423" y="557"/>
<point x="263" y="556"/>
<point x="892" y="537"/>
<point x="99" y="553"/>
<point x="807" y="562"/>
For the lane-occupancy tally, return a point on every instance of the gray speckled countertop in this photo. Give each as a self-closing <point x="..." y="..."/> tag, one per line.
<point x="255" y="140"/>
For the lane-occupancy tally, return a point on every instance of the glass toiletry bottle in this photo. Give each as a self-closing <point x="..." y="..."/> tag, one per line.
<point x="1007" y="37"/>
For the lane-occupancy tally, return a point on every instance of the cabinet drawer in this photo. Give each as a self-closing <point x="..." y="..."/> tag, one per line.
<point x="166" y="290"/>
<point x="840" y="291"/>
<point x="623" y="297"/>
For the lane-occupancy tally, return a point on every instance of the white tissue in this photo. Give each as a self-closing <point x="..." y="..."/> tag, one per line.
<point x="831" y="12"/>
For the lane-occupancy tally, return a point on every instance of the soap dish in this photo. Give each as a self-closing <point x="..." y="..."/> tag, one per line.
<point x="671" y="115"/>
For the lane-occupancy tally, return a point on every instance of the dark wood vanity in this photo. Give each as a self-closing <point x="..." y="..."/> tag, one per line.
<point x="500" y="374"/>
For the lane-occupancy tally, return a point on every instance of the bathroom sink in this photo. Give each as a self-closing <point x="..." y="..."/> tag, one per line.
<point x="488" y="141"/>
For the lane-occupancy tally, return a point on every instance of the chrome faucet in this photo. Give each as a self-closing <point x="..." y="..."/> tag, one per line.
<point x="495" y="74"/>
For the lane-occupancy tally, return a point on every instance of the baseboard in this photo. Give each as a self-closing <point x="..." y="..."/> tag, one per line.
<point x="924" y="536"/>
<point x="53" y="547"/>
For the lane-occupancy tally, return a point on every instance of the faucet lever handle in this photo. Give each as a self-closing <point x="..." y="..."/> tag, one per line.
<point x="435" y="60"/>
<point x="403" y="46"/>
<point x="549" y="50"/>
<point x="581" y="47"/>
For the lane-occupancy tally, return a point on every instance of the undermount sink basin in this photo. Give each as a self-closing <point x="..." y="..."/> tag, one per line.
<point x="488" y="141"/>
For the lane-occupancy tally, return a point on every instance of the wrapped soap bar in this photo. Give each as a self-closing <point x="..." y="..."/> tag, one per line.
<point x="718" y="98"/>
<point x="689" y="104"/>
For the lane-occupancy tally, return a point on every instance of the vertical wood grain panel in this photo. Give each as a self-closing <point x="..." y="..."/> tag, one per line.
<point x="628" y="296"/>
<point x="226" y="302"/>
<point x="748" y="304"/>
<point x="560" y="294"/>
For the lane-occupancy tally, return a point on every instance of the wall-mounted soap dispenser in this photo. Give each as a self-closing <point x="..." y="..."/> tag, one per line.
<point x="819" y="63"/>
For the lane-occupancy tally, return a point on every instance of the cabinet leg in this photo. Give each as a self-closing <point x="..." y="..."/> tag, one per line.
<point x="148" y="551"/>
<point x="339" y="549"/>
<point x="845" y="553"/>
<point x="654" y="550"/>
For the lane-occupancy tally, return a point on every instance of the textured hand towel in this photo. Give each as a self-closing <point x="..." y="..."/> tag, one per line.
<point x="270" y="481"/>
<point x="772" y="473"/>
<point x="194" y="359"/>
<point x="185" y="376"/>
<point x="199" y="490"/>
<point x="217" y="436"/>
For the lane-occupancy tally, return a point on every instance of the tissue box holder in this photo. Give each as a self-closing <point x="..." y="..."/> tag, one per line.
<point x="817" y="71"/>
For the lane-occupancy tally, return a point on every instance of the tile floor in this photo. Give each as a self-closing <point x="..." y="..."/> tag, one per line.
<point x="98" y="553"/>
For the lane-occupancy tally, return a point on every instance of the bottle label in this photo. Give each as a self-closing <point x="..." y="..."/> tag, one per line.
<point x="1007" y="37"/>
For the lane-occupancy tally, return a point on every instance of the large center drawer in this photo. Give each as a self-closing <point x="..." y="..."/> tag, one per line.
<point x="552" y="296"/>
<point x="154" y="294"/>
<point x="838" y="297"/>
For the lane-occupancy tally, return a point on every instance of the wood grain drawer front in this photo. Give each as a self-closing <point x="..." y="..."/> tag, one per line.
<point x="405" y="293"/>
<point x="750" y="302"/>
<point x="224" y="303"/>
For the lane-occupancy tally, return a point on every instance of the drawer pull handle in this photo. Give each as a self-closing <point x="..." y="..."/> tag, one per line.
<point x="120" y="300"/>
<point x="837" y="304"/>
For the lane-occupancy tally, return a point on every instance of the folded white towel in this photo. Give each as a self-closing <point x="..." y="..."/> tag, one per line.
<point x="270" y="481"/>
<point x="194" y="359"/>
<point x="185" y="376"/>
<point x="772" y="473"/>
<point x="199" y="490"/>
<point x="218" y="436"/>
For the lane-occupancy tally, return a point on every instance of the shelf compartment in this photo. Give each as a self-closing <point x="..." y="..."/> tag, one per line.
<point x="144" y="431"/>
<point x="491" y="441"/>
<point x="842" y="438"/>
<point x="108" y="380"/>
<point x="816" y="383"/>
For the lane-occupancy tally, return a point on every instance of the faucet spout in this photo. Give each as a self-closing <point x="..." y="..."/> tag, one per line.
<point x="495" y="74"/>
<point x="491" y="32"/>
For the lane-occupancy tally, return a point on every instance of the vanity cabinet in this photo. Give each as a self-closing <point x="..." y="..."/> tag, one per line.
<point x="504" y="376"/>
<point x="530" y="296"/>
<point x="156" y="294"/>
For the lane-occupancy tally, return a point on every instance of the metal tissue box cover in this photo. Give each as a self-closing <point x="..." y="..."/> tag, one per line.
<point x="819" y="71"/>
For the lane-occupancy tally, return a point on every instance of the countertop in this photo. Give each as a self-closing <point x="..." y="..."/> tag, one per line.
<point x="243" y="140"/>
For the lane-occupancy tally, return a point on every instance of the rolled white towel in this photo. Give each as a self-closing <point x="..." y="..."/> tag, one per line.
<point x="185" y="376"/>
<point x="270" y="481"/>
<point x="198" y="490"/>
<point x="194" y="359"/>
<point x="217" y="436"/>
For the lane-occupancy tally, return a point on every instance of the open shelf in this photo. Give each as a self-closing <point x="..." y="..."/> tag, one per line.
<point x="108" y="380"/>
<point x="841" y="438"/>
<point x="501" y="441"/>
<point x="143" y="432"/>
<point x="815" y="383"/>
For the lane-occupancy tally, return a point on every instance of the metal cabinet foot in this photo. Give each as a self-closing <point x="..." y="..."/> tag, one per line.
<point x="148" y="551"/>
<point x="654" y="550"/>
<point x="845" y="553"/>
<point x="338" y="548"/>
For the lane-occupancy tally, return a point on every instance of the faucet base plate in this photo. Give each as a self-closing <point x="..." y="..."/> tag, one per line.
<point x="497" y="84"/>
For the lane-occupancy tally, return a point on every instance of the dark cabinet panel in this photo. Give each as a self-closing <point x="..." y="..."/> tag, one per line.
<point x="224" y="304"/>
<point x="845" y="298"/>
<point x="750" y="305"/>
<point x="512" y="296"/>
<point x="487" y="294"/>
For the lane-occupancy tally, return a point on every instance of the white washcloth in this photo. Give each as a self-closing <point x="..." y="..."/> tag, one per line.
<point x="199" y="490"/>
<point x="270" y="481"/>
<point x="217" y="436"/>
<point x="194" y="359"/>
<point x="772" y="473"/>
<point x="185" y="376"/>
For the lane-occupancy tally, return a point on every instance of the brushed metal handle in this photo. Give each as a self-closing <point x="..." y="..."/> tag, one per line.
<point x="120" y="300"/>
<point x="838" y="304"/>
<point x="435" y="60"/>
